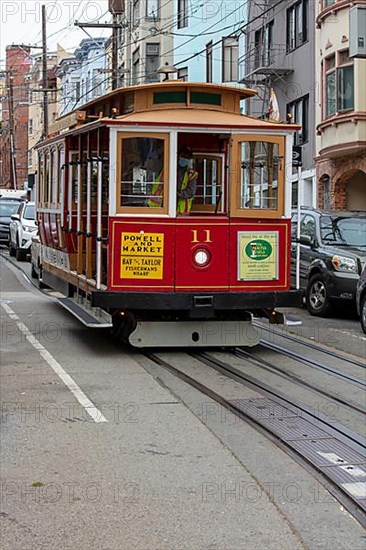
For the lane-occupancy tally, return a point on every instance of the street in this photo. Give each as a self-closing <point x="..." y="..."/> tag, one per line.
<point x="98" y="451"/>
<point x="177" y="179"/>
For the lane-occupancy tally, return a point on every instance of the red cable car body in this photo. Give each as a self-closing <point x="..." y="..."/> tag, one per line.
<point x="113" y="237"/>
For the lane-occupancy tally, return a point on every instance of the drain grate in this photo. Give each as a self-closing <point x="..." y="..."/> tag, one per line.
<point x="264" y="408"/>
<point x="279" y="419"/>
<point x="341" y="464"/>
<point x="292" y="429"/>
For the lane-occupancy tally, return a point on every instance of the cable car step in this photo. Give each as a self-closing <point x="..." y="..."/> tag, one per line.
<point x="92" y="317"/>
<point x="165" y="334"/>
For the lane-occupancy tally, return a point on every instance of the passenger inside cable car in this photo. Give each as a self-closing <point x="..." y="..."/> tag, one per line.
<point x="186" y="181"/>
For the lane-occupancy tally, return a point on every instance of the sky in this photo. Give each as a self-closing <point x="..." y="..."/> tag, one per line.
<point x="21" y="23"/>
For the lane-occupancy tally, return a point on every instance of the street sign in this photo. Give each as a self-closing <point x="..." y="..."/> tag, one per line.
<point x="296" y="156"/>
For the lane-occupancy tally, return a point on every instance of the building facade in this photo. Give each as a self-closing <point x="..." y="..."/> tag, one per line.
<point x="15" y="108"/>
<point x="145" y="42"/>
<point x="341" y="110"/>
<point x="81" y="75"/>
<point x="35" y="98"/>
<point x="207" y="40"/>
<point x="279" y="57"/>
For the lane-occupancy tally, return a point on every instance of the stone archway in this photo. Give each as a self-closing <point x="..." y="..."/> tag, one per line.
<point x="356" y="191"/>
<point x="350" y="191"/>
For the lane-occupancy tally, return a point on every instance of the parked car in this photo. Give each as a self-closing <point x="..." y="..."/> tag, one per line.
<point x="7" y="208"/>
<point x="332" y="255"/>
<point x="361" y="299"/>
<point x="13" y="194"/>
<point x="22" y="228"/>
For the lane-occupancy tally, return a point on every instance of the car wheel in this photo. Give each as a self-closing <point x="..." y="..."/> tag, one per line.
<point x="12" y="250"/>
<point x="21" y="255"/>
<point x="317" y="300"/>
<point x="363" y="313"/>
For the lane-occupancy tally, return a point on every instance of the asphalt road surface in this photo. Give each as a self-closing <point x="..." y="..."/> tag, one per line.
<point x="100" y="452"/>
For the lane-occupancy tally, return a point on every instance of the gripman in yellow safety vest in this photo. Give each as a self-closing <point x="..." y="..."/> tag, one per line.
<point x="186" y="181"/>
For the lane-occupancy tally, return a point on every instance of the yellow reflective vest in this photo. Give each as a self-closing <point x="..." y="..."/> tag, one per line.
<point x="184" y="205"/>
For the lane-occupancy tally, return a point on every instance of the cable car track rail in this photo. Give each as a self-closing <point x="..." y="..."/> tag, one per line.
<point x="310" y="345"/>
<point x="357" y="442"/>
<point x="293" y="378"/>
<point x="325" y="475"/>
<point x="313" y="364"/>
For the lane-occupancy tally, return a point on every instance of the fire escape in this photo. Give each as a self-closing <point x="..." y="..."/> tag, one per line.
<point x="262" y="67"/>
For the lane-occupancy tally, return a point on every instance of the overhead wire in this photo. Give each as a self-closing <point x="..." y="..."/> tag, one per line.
<point x="141" y="59"/>
<point x="213" y="25"/>
<point x="240" y="29"/>
<point x="69" y="25"/>
<point x="164" y="30"/>
<point x="192" y="37"/>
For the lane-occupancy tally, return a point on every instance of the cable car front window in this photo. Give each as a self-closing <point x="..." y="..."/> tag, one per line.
<point x="142" y="172"/>
<point x="259" y="175"/>
<point x="208" y="196"/>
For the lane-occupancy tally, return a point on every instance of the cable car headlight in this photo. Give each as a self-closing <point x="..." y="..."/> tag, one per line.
<point x="342" y="263"/>
<point x="201" y="257"/>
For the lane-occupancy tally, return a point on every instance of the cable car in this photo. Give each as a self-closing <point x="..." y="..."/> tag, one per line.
<point x="164" y="213"/>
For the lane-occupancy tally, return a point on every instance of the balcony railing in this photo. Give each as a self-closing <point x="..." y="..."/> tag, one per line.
<point x="262" y="61"/>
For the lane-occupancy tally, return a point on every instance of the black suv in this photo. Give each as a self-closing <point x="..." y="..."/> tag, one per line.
<point x="332" y="255"/>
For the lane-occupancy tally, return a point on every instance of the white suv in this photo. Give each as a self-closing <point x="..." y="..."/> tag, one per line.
<point x="22" y="228"/>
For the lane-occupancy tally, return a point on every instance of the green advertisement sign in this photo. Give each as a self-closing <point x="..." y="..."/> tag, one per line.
<point x="257" y="256"/>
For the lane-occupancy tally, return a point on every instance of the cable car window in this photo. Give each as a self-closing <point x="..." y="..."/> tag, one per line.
<point x="40" y="190"/>
<point x="208" y="196"/>
<point x="105" y="182"/>
<point x="206" y="98"/>
<point x="46" y="177"/>
<point x="259" y="175"/>
<point x="143" y="165"/>
<point x="94" y="181"/>
<point x="257" y="180"/>
<point x="54" y="176"/>
<point x="61" y="180"/>
<point x="84" y="181"/>
<point x="74" y="177"/>
<point x="170" y="97"/>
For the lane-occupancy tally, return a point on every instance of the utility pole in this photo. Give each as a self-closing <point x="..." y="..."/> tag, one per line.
<point x="44" y="73"/>
<point x="114" y="53"/>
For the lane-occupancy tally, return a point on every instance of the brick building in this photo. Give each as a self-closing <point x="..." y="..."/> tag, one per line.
<point x="14" y="129"/>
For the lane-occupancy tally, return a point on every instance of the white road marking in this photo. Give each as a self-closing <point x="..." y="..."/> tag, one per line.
<point x="358" y="490"/>
<point x="90" y="408"/>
